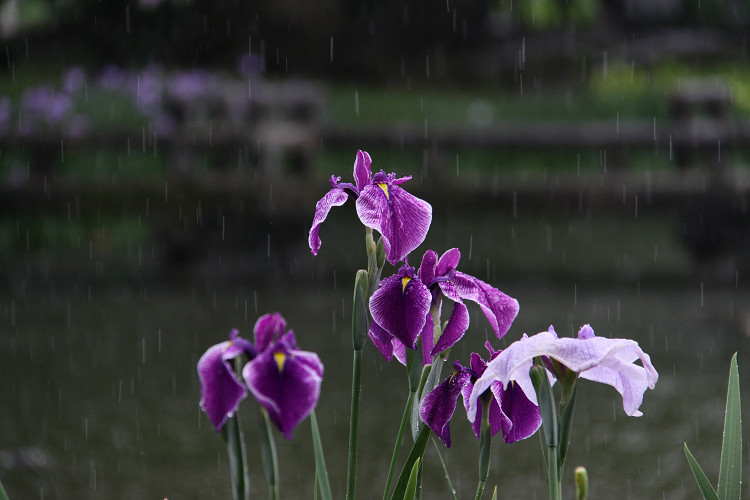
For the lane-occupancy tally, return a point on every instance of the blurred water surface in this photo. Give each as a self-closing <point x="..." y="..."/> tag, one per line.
<point x="100" y="395"/>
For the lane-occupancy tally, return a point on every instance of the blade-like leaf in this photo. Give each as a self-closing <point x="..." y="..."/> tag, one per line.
<point x="416" y="453"/>
<point x="3" y="494"/>
<point x="703" y="483"/>
<point x="494" y="494"/>
<point x="730" y="471"/>
<point x="411" y="486"/>
<point x="321" y="472"/>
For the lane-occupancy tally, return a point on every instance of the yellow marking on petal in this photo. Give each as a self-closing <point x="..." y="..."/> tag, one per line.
<point x="384" y="187"/>
<point x="280" y="358"/>
<point x="404" y="281"/>
<point x="453" y="375"/>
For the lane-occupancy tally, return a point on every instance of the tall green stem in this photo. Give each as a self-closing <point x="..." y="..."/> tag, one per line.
<point x="321" y="471"/>
<point x="354" y="425"/>
<point x="269" y="455"/>
<point x="238" y="470"/>
<point x="399" y="438"/>
<point x="485" y="443"/>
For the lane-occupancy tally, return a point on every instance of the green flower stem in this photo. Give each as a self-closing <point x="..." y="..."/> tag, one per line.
<point x="269" y="455"/>
<point x="550" y="424"/>
<point x="399" y="438"/>
<point x="351" y="482"/>
<point x="439" y="452"/>
<point x="485" y="443"/>
<point x="321" y="471"/>
<point x="240" y="475"/>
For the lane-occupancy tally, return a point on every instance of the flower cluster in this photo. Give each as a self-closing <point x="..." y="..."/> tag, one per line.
<point x="284" y="379"/>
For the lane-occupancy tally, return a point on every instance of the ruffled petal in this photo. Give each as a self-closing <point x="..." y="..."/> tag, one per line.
<point x="500" y="309"/>
<point x="286" y="383"/>
<point x="438" y="406"/>
<point x="400" y="305"/>
<point x="400" y="217"/>
<point x="334" y="198"/>
<point x="221" y="391"/>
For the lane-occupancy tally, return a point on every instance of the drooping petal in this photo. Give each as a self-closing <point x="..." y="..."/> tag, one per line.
<point x="400" y="305"/>
<point x="268" y="329"/>
<point x="362" y="173"/>
<point x="523" y="418"/>
<point x="499" y="308"/>
<point x="601" y="359"/>
<point x="286" y="383"/>
<point x="382" y="340"/>
<point x="333" y="198"/>
<point x="400" y="217"/>
<point x="438" y="406"/>
<point x="221" y="391"/>
<point x="457" y="325"/>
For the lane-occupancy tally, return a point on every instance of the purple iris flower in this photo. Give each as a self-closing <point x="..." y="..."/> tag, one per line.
<point x="510" y="410"/>
<point x="284" y="379"/>
<point x="401" y="306"/>
<point x="610" y="361"/>
<point x="401" y="218"/>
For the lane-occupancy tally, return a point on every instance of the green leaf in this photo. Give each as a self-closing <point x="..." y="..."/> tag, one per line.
<point x="494" y="494"/>
<point x="411" y="486"/>
<point x="416" y="453"/>
<point x="730" y="470"/>
<point x="703" y="483"/>
<point x="566" y="423"/>
<point x="360" y="321"/>
<point x="3" y="494"/>
<point x="321" y="472"/>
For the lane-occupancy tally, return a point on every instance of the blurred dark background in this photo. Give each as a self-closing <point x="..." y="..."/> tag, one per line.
<point x="160" y="161"/>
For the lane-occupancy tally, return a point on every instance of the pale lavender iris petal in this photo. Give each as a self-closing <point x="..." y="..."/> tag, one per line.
<point x="457" y="325"/>
<point x="500" y="309"/>
<point x="523" y="416"/>
<point x="400" y="306"/>
<point x="286" y="383"/>
<point x="268" y="329"/>
<point x="400" y="217"/>
<point x="362" y="172"/>
<point x="333" y="198"/>
<point x="438" y="406"/>
<point x="221" y="391"/>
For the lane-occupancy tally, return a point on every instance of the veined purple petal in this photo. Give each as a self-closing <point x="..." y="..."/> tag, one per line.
<point x="499" y="308"/>
<point x="362" y="172"/>
<point x="268" y="329"/>
<point x="400" y="305"/>
<point x="221" y="391"/>
<point x="286" y="383"/>
<point x="333" y="198"/>
<point x="438" y="406"/>
<point x="448" y="261"/>
<point x="498" y="420"/>
<point x="382" y="340"/>
<point x="426" y="271"/>
<point x="400" y="217"/>
<point x="428" y="340"/>
<point x="457" y="325"/>
<point x="523" y="418"/>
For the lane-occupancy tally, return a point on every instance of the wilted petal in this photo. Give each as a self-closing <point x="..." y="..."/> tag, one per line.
<point x="400" y="217"/>
<point x="362" y="173"/>
<point x="438" y="406"/>
<point x="286" y="383"/>
<point x="333" y="198"/>
<point x="221" y="391"/>
<point x="400" y="305"/>
<point x="500" y="309"/>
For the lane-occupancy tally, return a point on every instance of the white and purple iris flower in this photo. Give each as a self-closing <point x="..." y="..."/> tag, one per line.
<point x="510" y="410"/>
<point x="284" y="379"/>
<point x="609" y="361"/>
<point x="401" y="307"/>
<point x="401" y="218"/>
